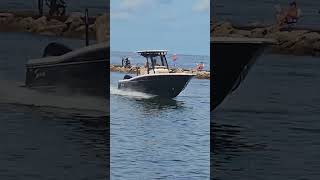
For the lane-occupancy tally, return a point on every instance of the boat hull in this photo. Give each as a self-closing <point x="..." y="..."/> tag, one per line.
<point x="89" y="78"/>
<point x="231" y="61"/>
<point x="167" y="86"/>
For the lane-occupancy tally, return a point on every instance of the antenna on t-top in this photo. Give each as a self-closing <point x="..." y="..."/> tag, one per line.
<point x="87" y="26"/>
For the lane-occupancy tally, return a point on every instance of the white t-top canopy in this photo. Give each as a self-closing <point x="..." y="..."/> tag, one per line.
<point x="153" y="53"/>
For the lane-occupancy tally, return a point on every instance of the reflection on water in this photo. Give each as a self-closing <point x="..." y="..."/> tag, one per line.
<point x="159" y="104"/>
<point x="52" y="143"/>
<point x="228" y="140"/>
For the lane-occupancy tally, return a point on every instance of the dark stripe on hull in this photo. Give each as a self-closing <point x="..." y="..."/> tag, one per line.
<point x="86" y="78"/>
<point x="168" y="86"/>
<point x="229" y="61"/>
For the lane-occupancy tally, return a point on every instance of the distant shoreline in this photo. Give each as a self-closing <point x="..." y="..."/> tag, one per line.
<point x="134" y="69"/>
<point x="295" y="40"/>
<point x="71" y="26"/>
<point x="184" y="54"/>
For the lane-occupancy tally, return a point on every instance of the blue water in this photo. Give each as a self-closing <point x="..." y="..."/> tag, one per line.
<point x="47" y="136"/>
<point x="160" y="139"/>
<point x="249" y="11"/>
<point x="269" y="128"/>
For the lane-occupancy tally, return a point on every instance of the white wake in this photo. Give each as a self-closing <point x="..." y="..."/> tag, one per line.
<point x="129" y="93"/>
<point x="13" y="93"/>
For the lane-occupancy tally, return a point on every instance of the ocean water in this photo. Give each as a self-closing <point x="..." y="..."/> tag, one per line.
<point x="47" y="136"/>
<point x="251" y="11"/>
<point x="269" y="128"/>
<point x="160" y="139"/>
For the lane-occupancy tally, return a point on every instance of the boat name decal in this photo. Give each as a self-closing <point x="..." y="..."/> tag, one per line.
<point x="39" y="74"/>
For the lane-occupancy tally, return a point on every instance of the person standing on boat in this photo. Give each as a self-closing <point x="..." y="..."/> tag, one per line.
<point x="174" y="59"/>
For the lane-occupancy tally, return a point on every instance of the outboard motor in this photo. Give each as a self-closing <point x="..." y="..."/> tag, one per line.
<point x="55" y="49"/>
<point x="127" y="77"/>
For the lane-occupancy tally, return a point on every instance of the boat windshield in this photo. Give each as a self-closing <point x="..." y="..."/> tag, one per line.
<point x="155" y="61"/>
<point x="159" y="61"/>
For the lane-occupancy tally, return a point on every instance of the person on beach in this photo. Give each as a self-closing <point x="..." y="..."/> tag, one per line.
<point x="126" y="62"/>
<point x="288" y="16"/>
<point x="199" y="67"/>
<point x="56" y="7"/>
<point x="40" y="7"/>
<point x="293" y="13"/>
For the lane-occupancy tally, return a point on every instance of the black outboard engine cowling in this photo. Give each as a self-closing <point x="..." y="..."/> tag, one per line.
<point x="55" y="49"/>
<point x="127" y="77"/>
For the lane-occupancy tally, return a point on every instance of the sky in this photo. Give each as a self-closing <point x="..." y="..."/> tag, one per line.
<point x="180" y="26"/>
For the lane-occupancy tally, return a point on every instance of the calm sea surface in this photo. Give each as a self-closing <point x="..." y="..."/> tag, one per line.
<point x="160" y="139"/>
<point x="269" y="128"/>
<point x="47" y="136"/>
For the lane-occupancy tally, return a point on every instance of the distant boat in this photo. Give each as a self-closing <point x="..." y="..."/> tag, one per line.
<point x="156" y="78"/>
<point x="231" y="60"/>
